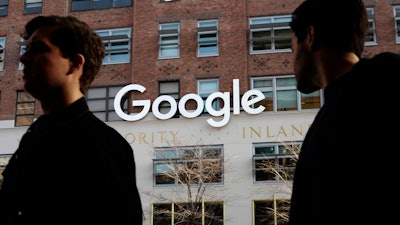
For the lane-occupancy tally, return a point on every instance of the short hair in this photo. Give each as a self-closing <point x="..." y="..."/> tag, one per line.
<point x="339" y="24"/>
<point x="72" y="36"/>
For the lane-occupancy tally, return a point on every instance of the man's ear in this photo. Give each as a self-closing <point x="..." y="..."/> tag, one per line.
<point x="77" y="63"/>
<point x="312" y="44"/>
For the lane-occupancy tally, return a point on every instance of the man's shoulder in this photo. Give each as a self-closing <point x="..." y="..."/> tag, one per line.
<point x="386" y="58"/>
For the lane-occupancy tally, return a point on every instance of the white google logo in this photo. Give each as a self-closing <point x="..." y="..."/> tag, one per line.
<point x="248" y="99"/>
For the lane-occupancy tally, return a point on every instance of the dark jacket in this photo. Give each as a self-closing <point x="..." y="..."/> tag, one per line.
<point x="71" y="168"/>
<point x="346" y="164"/>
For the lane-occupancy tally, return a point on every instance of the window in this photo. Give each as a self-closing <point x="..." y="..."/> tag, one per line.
<point x="270" y="34"/>
<point x="274" y="161"/>
<point x="371" y="35"/>
<point x="4" y="159"/>
<point x="3" y="7"/>
<point x="169" y="88"/>
<point x="207" y="38"/>
<point x="396" y="10"/>
<point x="201" y="213"/>
<point x="169" y="43"/>
<point x="25" y="109"/>
<point x="33" y="6"/>
<point x="117" y="43"/>
<point x="197" y="165"/>
<point x="101" y="102"/>
<point x="281" y="94"/>
<point x="22" y="50"/>
<point x="2" y="49"/>
<point x="206" y="88"/>
<point x="271" y="212"/>
<point x="78" y="5"/>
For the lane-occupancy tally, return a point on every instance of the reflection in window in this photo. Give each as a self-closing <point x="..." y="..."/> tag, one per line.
<point x="271" y="212"/>
<point x="281" y="94"/>
<point x="2" y="48"/>
<point x="197" y="213"/>
<point x="169" y="43"/>
<point x="78" y="5"/>
<point x="117" y="44"/>
<point x="4" y="158"/>
<point x="270" y="34"/>
<point x="169" y="88"/>
<point x="3" y="7"/>
<point x="274" y="161"/>
<point x="33" y="6"/>
<point x="206" y="88"/>
<point x="101" y="102"/>
<point x="197" y="165"/>
<point x="25" y="111"/>
<point x="207" y="38"/>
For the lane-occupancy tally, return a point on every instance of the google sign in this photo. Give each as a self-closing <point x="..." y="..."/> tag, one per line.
<point x="248" y="99"/>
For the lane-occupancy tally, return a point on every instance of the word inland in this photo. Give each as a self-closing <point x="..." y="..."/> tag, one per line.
<point x="246" y="102"/>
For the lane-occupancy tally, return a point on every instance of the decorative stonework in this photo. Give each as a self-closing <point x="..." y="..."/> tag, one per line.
<point x="261" y="64"/>
<point x="208" y="66"/>
<point x="169" y="69"/>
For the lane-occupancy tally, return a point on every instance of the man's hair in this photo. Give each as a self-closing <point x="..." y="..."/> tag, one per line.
<point x="72" y="36"/>
<point x="340" y="24"/>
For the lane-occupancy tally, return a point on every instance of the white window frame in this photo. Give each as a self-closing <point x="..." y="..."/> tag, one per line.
<point x="396" y="14"/>
<point x="204" y="90"/>
<point x="207" y="38"/>
<point x="274" y="87"/>
<point x="169" y="41"/>
<point x="22" y="50"/>
<point x="267" y="31"/>
<point x="2" y="52"/>
<point x="116" y="42"/>
<point x="371" y="35"/>
<point x="33" y="6"/>
<point x="170" y="88"/>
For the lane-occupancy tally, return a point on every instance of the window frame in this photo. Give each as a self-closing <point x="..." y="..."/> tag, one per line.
<point x="24" y="109"/>
<point x="113" y="39"/>
<point x="166" y="159"/>
<point x="277" y="89"/>
<point x="169" y="40"/>
<point x="4" y="160"/>
<point x="371" y="37"/>
<point x="271" y="212"/>
<point x="2" y="52"/>
<point x="273" y="25"/>
<point x="33" y="6"/>
<point x="279" y="154"/>
<point x="169" y="210"/>
<point x="169" y="88"/>
<point x="396" y="15"/>
<point x="3" y="8"/>
<point x="207" y="37"/>
<point x="104" y="96"/>
<point x="204" y="93"/>
<point x="82" y="5"/>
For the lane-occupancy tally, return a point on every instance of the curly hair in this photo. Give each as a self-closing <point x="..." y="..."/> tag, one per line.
<point x="72" y="36"/>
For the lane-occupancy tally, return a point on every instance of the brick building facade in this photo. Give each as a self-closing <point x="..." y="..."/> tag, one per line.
<point x="181" y="47"/>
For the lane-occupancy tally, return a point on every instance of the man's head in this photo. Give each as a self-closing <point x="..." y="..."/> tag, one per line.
<point x="338" y="24"/>
<point x="73" y="37"/>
